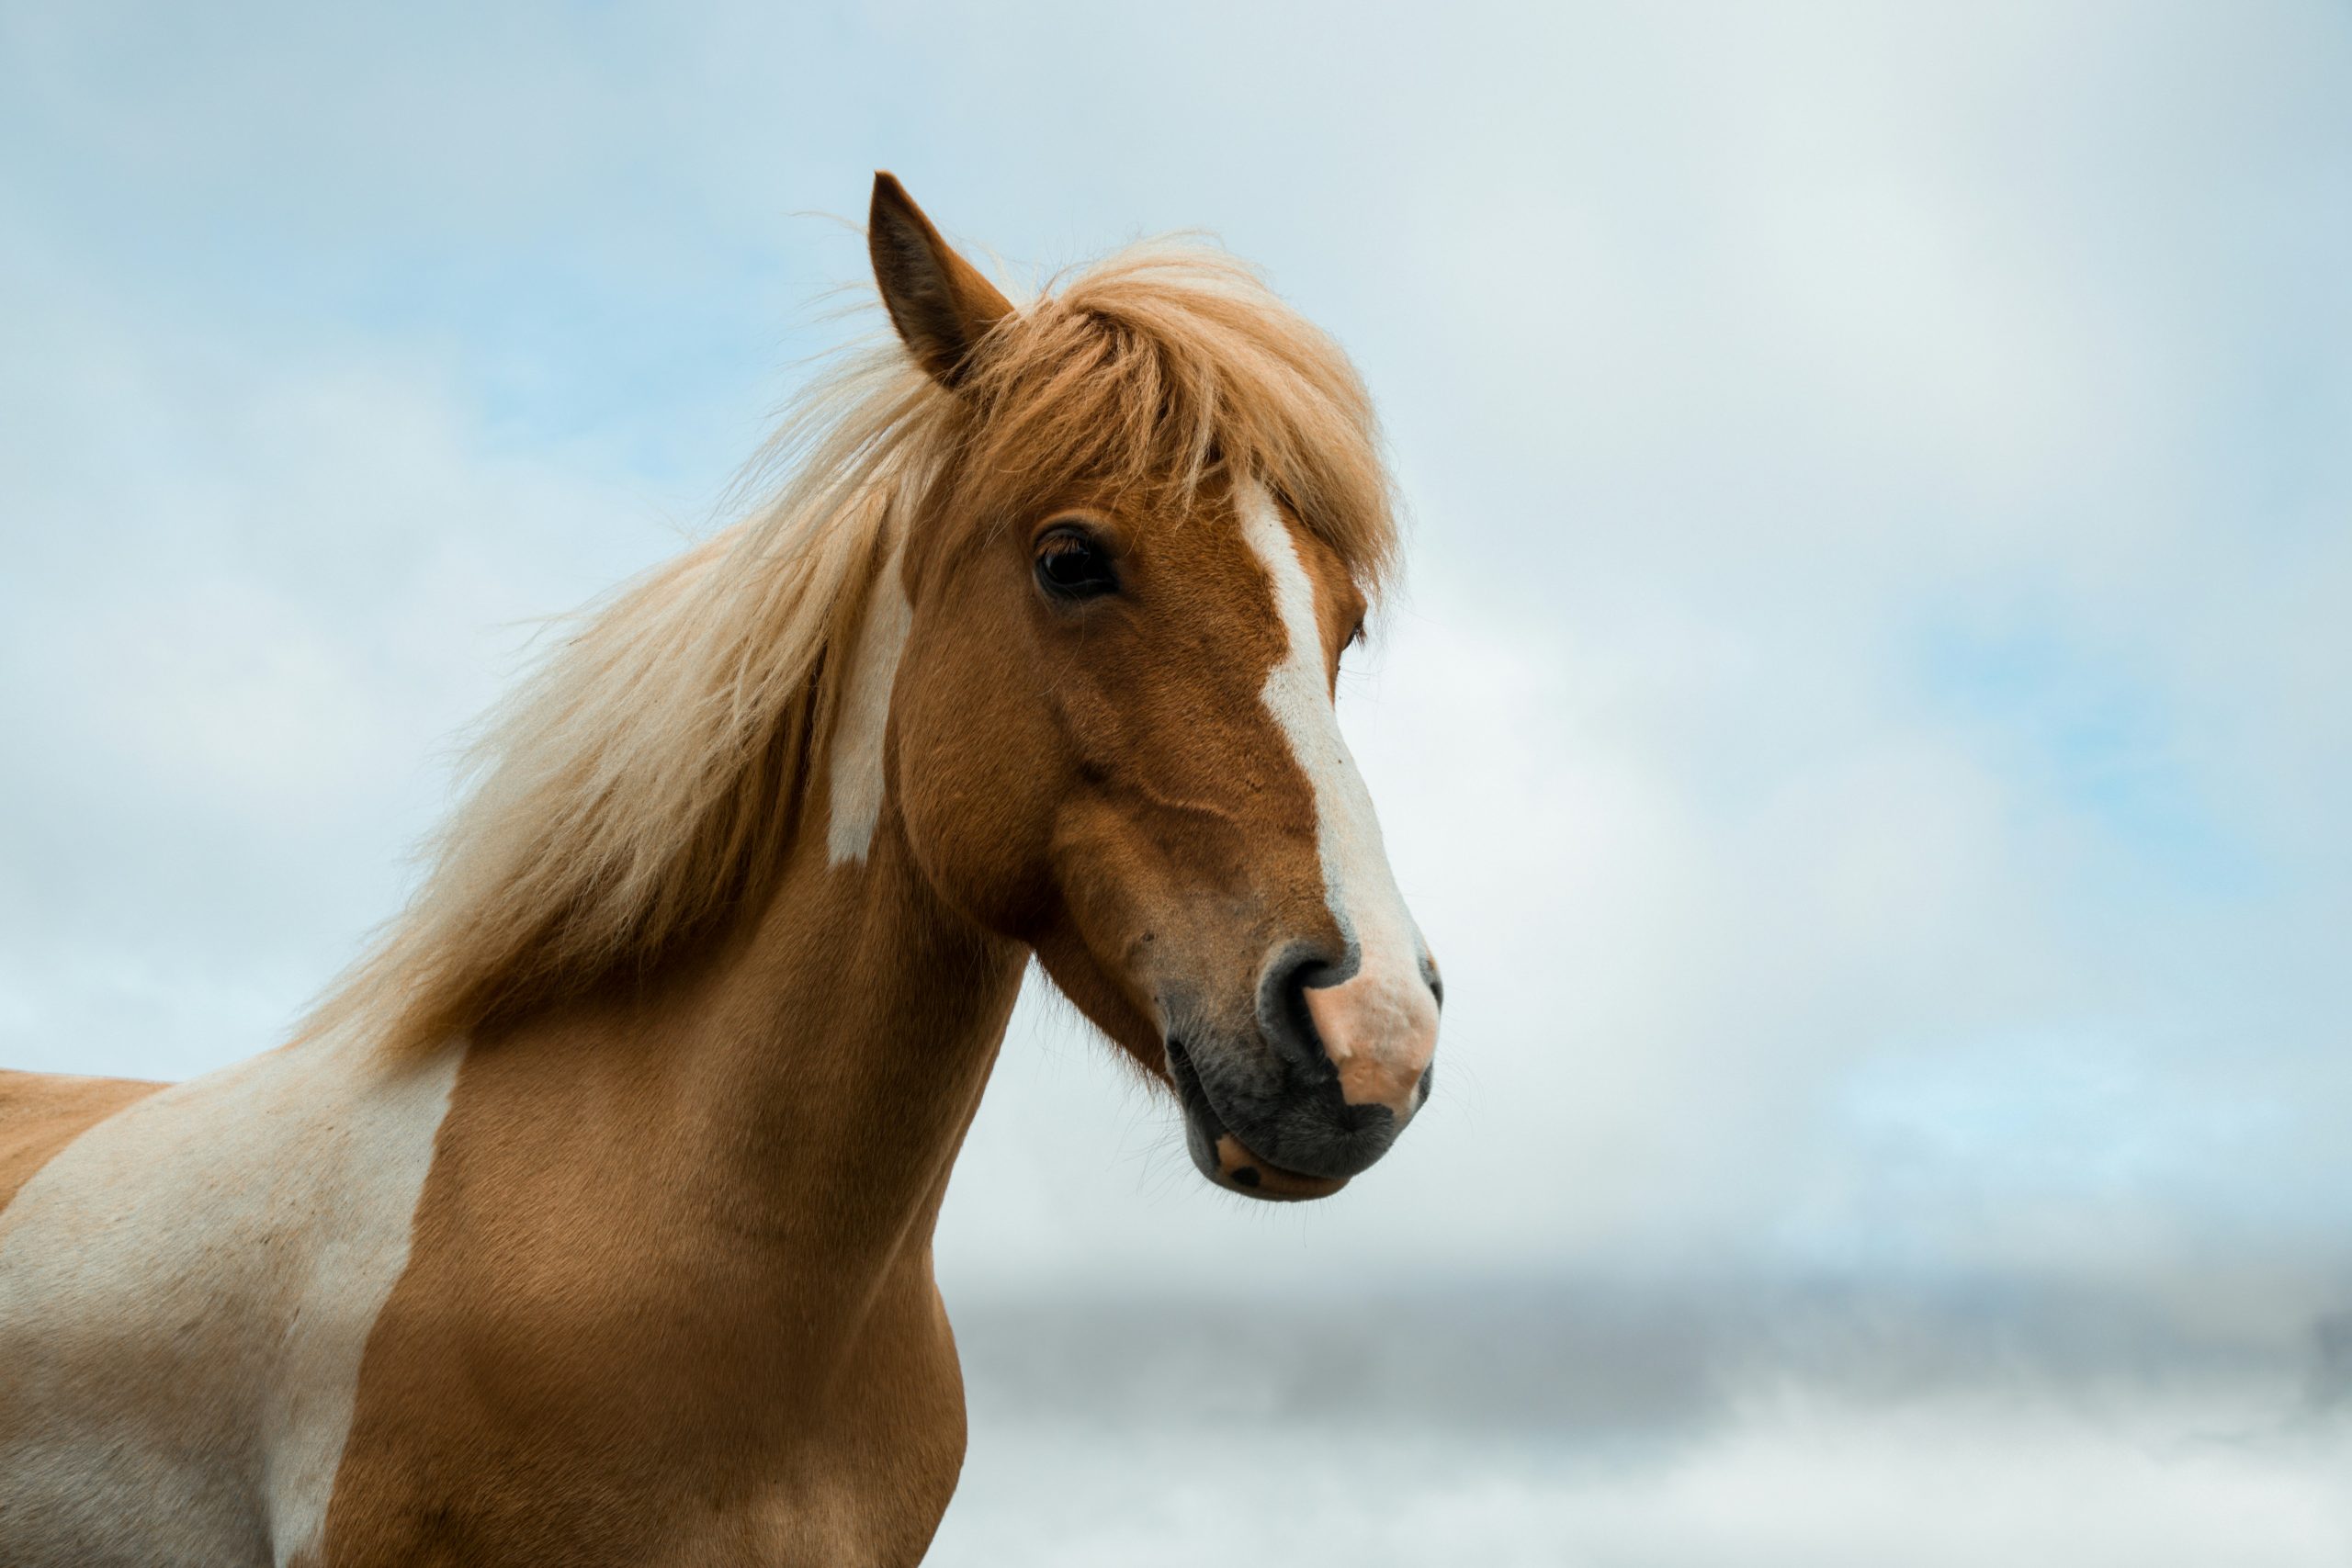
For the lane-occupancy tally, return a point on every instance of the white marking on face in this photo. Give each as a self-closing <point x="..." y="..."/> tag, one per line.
<point x="1383" y="1017"/>
<point x="186" y="1290"/>
<point x="857" y="774"/>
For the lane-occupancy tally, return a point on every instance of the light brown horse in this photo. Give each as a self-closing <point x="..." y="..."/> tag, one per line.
<point x="589" y="1219"/>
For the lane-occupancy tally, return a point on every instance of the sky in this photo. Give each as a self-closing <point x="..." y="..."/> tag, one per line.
<point x="1865" y="724"/>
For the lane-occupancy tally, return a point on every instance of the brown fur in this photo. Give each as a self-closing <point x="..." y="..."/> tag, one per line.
<point x="663" y="1306"/>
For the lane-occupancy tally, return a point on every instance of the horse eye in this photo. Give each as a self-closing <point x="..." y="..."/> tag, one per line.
<point x="1071" y="565"/>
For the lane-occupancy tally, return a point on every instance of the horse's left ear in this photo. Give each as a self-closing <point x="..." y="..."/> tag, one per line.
<point x="940" y="303"/>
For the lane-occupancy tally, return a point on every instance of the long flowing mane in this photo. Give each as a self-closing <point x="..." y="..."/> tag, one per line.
<point x="634" y="788"/>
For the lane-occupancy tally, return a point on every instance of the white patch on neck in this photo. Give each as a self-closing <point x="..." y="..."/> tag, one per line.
<point x="1357" y="882"/>
<point x="185" y="1292"/>
<point x="856" y="775"/>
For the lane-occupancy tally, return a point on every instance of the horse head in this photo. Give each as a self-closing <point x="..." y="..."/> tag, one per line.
<point x="1112" y="736"/>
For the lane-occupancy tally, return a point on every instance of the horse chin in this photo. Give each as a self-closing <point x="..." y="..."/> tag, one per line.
<point x="1226" y="1159"/>
<point x="1230" y="1165"/>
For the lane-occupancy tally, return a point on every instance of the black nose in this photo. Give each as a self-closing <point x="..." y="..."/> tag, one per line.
<point x="1280" y="1094"/>
<point x="1297" y="1125"/>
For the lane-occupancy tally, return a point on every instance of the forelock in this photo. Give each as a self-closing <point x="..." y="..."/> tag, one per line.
<point x="1163" y="369"/>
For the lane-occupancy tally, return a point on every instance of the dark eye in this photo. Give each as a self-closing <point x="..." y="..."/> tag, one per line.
<point x="1072" y="564"/>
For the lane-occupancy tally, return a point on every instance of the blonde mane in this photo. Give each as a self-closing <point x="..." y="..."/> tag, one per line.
<point x="633" y="789"/>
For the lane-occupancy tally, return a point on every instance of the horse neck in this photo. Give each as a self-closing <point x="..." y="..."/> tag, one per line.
<point x="805" y="1083"/>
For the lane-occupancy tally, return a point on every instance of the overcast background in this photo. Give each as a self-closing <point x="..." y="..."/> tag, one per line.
<point x="1866" y="728"/>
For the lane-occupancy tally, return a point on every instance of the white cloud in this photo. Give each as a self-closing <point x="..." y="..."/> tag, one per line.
<point x="1729" y="359"/>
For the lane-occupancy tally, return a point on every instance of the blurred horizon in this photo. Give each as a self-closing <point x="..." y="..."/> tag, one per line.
<point x="1863" y="727"/>
<point x="1595" y="1423"/>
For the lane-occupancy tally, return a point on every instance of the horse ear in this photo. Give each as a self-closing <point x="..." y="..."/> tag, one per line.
<point x="940" y="303"/>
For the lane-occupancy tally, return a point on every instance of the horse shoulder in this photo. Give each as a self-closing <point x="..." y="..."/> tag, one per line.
<point x="42" y="1113"/>
<point x="186" y="1290"/>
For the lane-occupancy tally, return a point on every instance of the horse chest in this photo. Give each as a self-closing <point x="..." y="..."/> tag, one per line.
<point x="687" y="1420"/>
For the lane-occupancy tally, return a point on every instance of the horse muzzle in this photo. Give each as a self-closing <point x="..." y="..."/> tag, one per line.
<point x="1343" y="1062"/>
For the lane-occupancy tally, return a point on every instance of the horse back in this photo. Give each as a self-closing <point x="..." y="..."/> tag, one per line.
<point x="42" y="1113"/>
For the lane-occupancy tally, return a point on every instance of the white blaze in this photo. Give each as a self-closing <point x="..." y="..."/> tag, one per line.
<point x="1392" y="1009"/>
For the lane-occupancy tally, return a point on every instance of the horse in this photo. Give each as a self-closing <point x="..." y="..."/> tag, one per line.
<point x="587" y="1219"/>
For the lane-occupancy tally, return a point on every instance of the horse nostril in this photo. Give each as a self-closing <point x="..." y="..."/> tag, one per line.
<point x="1282" y="1011"/>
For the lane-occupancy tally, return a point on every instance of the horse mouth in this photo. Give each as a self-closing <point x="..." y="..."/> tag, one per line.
<point x="1226" y="1159"/>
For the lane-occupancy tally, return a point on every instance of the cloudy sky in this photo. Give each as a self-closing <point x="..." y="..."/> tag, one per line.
<point x="1866" y="728"/>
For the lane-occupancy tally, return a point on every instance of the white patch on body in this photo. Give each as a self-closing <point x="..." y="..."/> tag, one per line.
<point x="186" y="1290"/>
<point x="1385" y="1008"/>
<point x="857" y="774"/>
